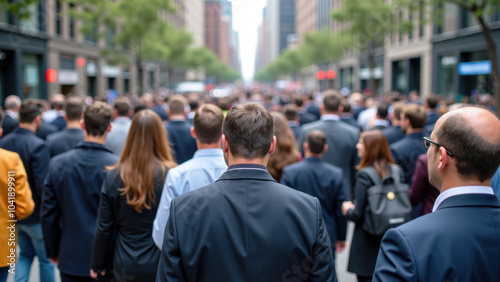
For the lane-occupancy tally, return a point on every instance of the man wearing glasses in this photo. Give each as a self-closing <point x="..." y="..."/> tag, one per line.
<point x="460" y="239"/>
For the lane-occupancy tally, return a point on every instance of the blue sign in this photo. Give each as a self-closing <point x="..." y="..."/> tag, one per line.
<point x="474" y="68"/>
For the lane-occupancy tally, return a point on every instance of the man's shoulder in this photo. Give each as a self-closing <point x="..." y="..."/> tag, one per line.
<point x="53" y="137"/>
<point x="9" y="156"/>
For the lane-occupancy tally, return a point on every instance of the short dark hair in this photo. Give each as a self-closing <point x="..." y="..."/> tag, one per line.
<point x="193" y="104"/>
<point x="122" y="106"/>
<point x="207" y="123"/>
<point x="140" y="107"/>
<point x="474" y="156"/>
<point x="396" y="110"/>
<point x="290" y="111"/>
<point x="30" y="109"/>
<point x="73" y="108"/>
<point x="332" y="100"/>
<point x="316" y="140"/>
<point x="382" y="110"/>
<point x="299" y="101"/>
<point x="432" y="102"/>
<point x="346" y="107"/>
<point x="416" y="114"/>
<point x="177" y="105"/>
<point x="97" y="117"/>
<point x="249" y="129"/>
<point x="2" y="115"/>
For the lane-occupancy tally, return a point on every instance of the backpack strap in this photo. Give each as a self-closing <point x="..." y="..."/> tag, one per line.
<point x="396" y="173"/>
<point x="372" y="173"/>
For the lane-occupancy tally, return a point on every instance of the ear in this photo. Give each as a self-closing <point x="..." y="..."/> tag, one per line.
<point x="305" y="145"/>
<point x="341" y="109"/>
<point x="82" y="124"/>
<point x="273" y="146"/>
<point x="225" y="144"/>
<point x="1" y="132"/>
<point x="65" y="118"/>
<point x="325" y="148"/>
<point x="193" y="133"/>
<point x="321" y="109"/>
<point x="109" y="127"/>
<point x="444" y="159"/>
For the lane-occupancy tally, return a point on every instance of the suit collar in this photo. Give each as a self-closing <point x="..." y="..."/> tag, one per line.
<point x="248" y="173"/>
<point x="92" y="146"/>
<point x="470" y="200"/>
<point x="24" y="131"/>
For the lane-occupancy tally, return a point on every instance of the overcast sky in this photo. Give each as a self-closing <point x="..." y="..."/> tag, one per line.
<point x="247" y="16"/>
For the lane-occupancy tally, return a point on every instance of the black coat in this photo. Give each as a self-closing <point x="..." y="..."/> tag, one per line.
<point x="182" y="143"/>
<point x="9" y="125"/>
<point x="62" y="141"/>
<point x="245" y="227"/>
<point x="45" y="130"/>
<point x="136" y="255"/>
<point x="36" y="156"/>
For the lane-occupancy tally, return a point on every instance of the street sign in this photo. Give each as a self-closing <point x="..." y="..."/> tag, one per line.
<point x="474" y="68"/>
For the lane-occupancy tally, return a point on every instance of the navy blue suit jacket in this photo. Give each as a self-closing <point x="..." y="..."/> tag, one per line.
<point x="322" y="180"/>
<point x="245" y="227"/>
<point x="9" y="125"/>
<point x="70" y="203"/>
<point x="36" y="156"/>
<point x="45" y="130"/>
<point x="59" y="122"/>
<point x="393" y="134"/>
<point x="460" y="241"/>
<point x="351" y="121"/>
<point x="406" y="151"/>
<point x="182" y="143"/>
<point x="65" y="140"/>
<point x="432" y="118"/>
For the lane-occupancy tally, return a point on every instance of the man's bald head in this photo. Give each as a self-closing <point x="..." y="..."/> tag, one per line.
<point x="472" y="134"/>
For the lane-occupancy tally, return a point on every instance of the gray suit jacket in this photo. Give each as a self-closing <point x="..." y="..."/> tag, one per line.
<point x="342" y="139"/>
<point x="118" y="136"/>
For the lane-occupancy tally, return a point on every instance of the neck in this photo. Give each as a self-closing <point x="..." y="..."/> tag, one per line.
<point x="413" y="130"/>
<point x="238" y="160"/>
<point x="312" y="155"/>
<point x="29" y="126"/>
<point x="95" y="139"/>
<point x="201" y="146"/>
<point x="73" y="124"/>
<point x="177" y="117"/>
<point x="331" y="113"/>
<point x="457" y="182"/>
<point x="396" y="122"/>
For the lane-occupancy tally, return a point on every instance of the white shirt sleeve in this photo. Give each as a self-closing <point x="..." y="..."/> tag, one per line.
<point x="163" y="212"/>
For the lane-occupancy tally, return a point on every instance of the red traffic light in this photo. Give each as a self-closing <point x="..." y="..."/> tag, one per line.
<point x="331" y="74"/>
<point x="321" y="74"/>
<point x="80" y="62"/>
<point x="51" y="75"/>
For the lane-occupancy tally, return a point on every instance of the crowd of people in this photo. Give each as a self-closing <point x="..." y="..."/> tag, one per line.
<point x="249" y="187"/>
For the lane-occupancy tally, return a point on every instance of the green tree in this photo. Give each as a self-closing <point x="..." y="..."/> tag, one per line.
<point x="481" y="10"/>
<point x="139" y="25"/>
<point x="368" y="23"/>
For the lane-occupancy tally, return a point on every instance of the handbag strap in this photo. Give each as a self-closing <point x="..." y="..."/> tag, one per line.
<point x="375" y="178"/>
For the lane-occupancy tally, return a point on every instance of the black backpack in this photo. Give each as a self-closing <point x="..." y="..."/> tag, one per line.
<point x="388" y="202"/>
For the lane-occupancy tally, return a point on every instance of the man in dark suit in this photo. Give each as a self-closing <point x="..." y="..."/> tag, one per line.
<point x="10" y="122"/>
<point x="459" y="240"/>
<point x="406" y="151"/>
<point x="304" y="115"/>
<point x="57" y="103"/>
<point x="71" y="196"/>
<point x="341" y="137"/>
<point x="179" y="130"/>
<point x="380" y="122"/>
<point x="347" y="115"/>
<point x="394" y="132"/>
<point x="322" y="180"/>
<point x="290" y="112"/>
<point x="67" y="139"/>
<point x="431" y="106"/>
<point x="35" y="156"/>
<point x="245" y="223"/>
<point x="45" y="130"/>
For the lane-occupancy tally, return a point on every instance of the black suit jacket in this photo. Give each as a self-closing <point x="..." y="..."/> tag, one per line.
<point x="70" y="202"/>
<point x="59" y="123"/>
<point x="393" y="134"/>
<point x="62" y="141"/>
<point x="9" y="125"/>
<point x="406" y="151"/>
<point x="36" y="156"/>
<point x="322" y="180"/>
<point x="245" y="227"/>
<point x="45" y="130"/>
<point x="460" y="241"/>
<point x="183" y="144"/>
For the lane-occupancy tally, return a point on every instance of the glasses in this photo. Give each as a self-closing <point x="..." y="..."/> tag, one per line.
<point x="427" y="144"/>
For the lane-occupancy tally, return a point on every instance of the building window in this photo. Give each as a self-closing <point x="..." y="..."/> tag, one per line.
<point x="109" y="37"/>
<point x="450" y="22"/>
<point x="66" y="63"/>
<point x="58" y="17"/>
<point x="71" y="22"/>
<point x="446" y="72"/>
<point x="31" y="76"/>
<point x="33" y="21"/>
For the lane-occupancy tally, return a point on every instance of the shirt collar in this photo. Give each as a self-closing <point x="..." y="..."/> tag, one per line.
<point x="382" y="122"/>
<point x="293" y="122"/>
<point x="121" y="119"/>
<point x="92" y="146"/>
<point x="460" y="191"/>
<point x="11" y="114"/>
<point x="212" y="152"/>
<point x="330" y="117"/>
<point x="247" y="166"/>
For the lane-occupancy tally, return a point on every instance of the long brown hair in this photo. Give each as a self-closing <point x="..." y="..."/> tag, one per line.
<point x="286" y="151"/>
<point x="146" y="149"/>
<point x="377" y="152"/>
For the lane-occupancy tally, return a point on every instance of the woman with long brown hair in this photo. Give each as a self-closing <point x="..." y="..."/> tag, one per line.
<point x="286" y="151"/>
<point x="373" y="149"/>
<point x="129" y="201"/>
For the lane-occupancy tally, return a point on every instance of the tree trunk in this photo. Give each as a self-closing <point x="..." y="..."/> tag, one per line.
<point x="492" y="54"/>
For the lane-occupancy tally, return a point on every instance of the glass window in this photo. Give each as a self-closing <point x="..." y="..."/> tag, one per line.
<point x="66" y="63"/>
<point x="32" y="22"/>
<point x="450" y="21"/>
<point x="447" y="66"/>
<point x="31" y="76"/>
<point x="58" y="17"/>
<point x="4" y="18"/>
<point x="71" y="22"/>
